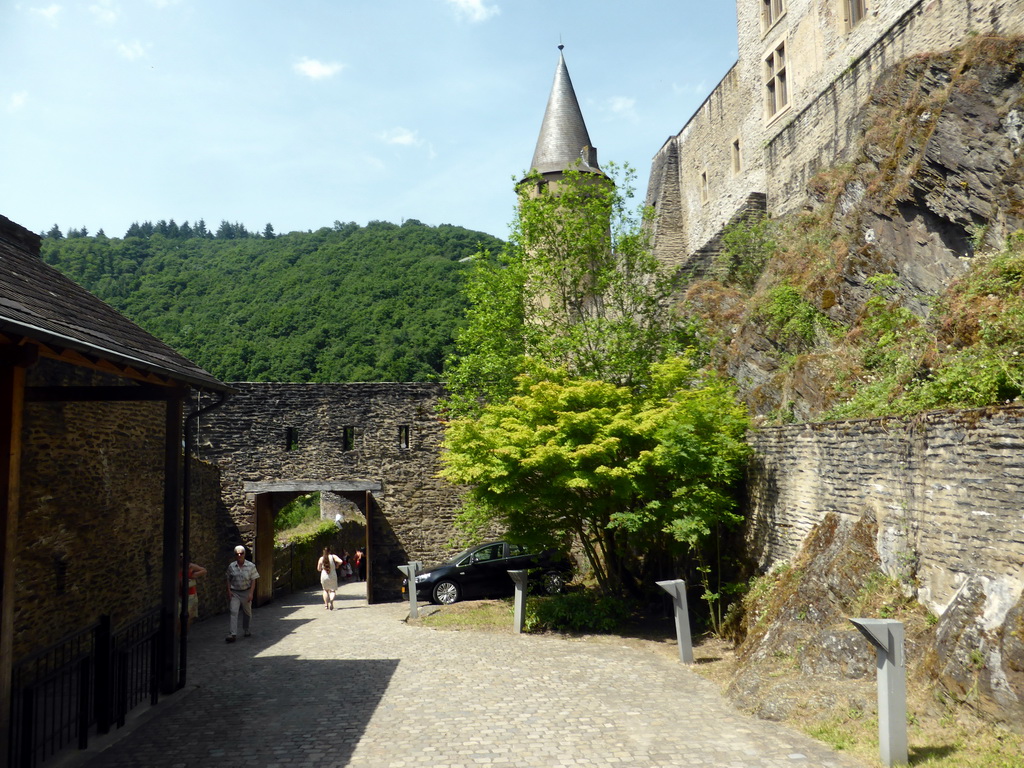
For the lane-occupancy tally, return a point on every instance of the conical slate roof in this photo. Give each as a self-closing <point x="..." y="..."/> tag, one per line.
<point x="563" y="135"/>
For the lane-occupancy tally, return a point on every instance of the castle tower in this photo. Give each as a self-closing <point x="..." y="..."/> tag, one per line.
<point x="581" y="241"/>
<point x="563" y="136"/>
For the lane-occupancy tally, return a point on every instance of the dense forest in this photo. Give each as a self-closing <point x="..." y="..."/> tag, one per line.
<point x="347" y="303"/>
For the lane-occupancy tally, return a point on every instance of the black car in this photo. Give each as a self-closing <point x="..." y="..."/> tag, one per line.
<point x="482" y="571"/>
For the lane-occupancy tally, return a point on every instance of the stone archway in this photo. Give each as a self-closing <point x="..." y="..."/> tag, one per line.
<point x="378" y="444"/>
<point x="360" y="492"/>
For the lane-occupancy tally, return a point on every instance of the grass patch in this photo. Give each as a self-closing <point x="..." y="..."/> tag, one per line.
<point x="475" y="615"/>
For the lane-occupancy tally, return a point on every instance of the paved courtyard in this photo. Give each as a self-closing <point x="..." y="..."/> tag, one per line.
<point x="359" y="687"/>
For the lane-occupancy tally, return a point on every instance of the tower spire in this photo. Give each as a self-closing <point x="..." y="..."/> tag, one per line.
<point x="563" y="134"/>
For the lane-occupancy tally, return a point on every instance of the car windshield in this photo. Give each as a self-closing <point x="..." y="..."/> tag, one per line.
<point x="459" y="557"/>
<point x="492" y="551"/>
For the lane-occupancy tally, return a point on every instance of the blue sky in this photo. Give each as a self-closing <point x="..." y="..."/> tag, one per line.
<point x="303" y="112"/>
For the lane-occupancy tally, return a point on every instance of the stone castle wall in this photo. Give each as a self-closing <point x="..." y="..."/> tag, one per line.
<point x="945" y="486"/>
<point x="413" y="519"/>
<point x="945" y="489"/>
<point x="90" y="526"/>
<point x="731" y="148"/>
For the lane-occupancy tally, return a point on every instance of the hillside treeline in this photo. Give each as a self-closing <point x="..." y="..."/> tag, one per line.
<point x="348" y="303"/>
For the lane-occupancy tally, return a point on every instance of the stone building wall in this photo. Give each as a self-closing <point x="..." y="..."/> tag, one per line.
<point x="946" y="488"/>
<point x="248" y="440"/>
<point x="697" y="184"/>
<point x="90" y="526"/>
<point x="212" y="538"/>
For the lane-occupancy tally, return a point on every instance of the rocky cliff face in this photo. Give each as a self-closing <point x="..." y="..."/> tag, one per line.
<point x="936" y="181"/>
<point x="800" y="655"/>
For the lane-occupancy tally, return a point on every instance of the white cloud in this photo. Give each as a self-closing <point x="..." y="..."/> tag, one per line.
<point x="163" y="3"/>
<point x="131" y="51"/>
<point x="402" y="136"/>
<point x="622" y="105"/>
<point x="474" y="10"/>
<point x="49" y="12"/>
<point x="105" y="11"/>
<point x="17" y="101"/>
<point x="317" y="70"/>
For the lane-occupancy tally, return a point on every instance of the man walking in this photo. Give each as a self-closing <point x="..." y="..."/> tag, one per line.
<point x="242" y="575"/>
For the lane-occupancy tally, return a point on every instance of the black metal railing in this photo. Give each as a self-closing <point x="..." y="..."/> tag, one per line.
<point x="91" y="678"/>
<point x="51" y="699"/>
<point x="136" y="667"/>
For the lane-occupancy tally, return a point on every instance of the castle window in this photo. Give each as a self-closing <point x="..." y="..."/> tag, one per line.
<point x="348" y="438"/>
<point x="291" y="438"/>
<point x="703" y="186"/>
<point x="403" y="436"/>
<point x="737" y="164"/>
<point x="776" y="87"/>
<point x="771" y="12"/>
<point x="855" y="12"/>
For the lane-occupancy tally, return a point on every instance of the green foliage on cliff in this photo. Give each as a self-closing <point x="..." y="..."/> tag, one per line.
<point x="895" y="288"/>
<point x="348" y="303"/>
<point x="968" y="353"/>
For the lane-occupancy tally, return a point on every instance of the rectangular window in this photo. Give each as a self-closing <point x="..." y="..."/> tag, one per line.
<point x="703" y="186"/>
<point x="403" y="436"/>
<point x="771" y="12"/>
<point x="291" y="438"/>
<point x="737" y="164"/>
<point x="855" y="11"/>
<point x="776" y="86"/>
<point x="348" y="438"/>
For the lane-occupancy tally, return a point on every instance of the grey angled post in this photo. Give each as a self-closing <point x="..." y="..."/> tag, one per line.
<point x="410" y="572"/>
<point x="677" y="588"/>
<point x="519" y="617"/>
<point x="887" y="637"/>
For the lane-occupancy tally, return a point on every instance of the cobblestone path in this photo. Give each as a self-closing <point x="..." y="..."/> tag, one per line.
<point x="359" y="687"/>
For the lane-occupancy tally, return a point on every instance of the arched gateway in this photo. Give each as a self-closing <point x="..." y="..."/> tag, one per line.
<point x="376" y="445"/>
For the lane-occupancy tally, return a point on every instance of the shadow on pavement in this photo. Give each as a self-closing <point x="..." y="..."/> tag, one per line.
<point x="243" y="703"/>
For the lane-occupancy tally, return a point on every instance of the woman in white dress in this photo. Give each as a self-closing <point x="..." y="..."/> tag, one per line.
<point x="328" y="567"/>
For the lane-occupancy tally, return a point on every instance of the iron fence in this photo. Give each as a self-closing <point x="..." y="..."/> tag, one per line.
<point x="91" y="678"/>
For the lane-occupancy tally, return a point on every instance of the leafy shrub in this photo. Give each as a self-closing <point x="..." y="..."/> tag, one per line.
<point x="586" y="611"/>
<point x="322" y="535"/>
<point x="296" y="513"/>
<point x="791" y="319"/>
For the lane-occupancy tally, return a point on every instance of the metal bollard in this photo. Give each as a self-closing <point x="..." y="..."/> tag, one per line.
<point x="677" y="588"/>
<point x="410" y="572"/>
<point x="519" y="617"/>
<point x="887" y="637"/>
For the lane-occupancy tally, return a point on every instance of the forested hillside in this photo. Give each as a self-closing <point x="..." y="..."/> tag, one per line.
<point x="348" y="303"/>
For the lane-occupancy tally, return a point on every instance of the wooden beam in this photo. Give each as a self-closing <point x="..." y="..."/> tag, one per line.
<point x="12" y="387"/>
<point x="100" y="394"/>
<point x="309" y="486"/>
<point x="173" y="459"/>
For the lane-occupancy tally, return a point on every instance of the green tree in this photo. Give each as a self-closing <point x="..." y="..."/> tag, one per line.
<point x="576" y="415"/>
<point x="628" y="475"/>
<point x="576" y="286"/>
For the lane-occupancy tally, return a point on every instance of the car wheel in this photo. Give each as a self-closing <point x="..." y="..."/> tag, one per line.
<point x="554" y="583"/>
<point x="446" y="593"/>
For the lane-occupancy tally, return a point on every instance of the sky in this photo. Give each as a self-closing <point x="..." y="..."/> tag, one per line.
<point x="300" y="113"/>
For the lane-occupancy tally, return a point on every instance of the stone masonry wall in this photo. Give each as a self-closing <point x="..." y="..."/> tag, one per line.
<point x="696" y="185"/>
<point x="246" y="439"/>
<point x="946" y="488"/>
<point x="213" y="535"/>
<point x="823" y="127"/>
<point x="90" y="527"/>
